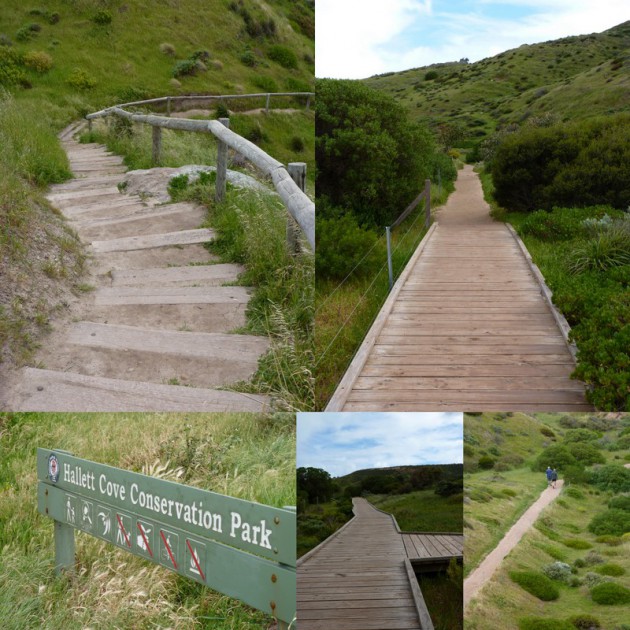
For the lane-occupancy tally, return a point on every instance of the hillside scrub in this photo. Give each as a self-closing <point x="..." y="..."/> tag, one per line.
<point x="576" y="164"/>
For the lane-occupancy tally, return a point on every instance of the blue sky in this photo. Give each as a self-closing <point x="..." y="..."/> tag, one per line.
<point x="343" y="442"/>
<point x="358" y="38"/>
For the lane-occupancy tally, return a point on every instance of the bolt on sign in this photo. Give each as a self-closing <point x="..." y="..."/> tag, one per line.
<point x="243" y="549"/>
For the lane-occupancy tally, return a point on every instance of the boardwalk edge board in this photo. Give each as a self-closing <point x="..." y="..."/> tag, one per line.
<point x="344" y="388"/>
<point x="546" y="292"/>
<point x="421" y="607"/>
<point x="243" y="549"/>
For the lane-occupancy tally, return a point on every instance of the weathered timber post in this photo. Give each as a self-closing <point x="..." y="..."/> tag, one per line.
<point x="222" y="158"/>
<point x="90" y="125"/>
<point x="157" y="145"/>
<point x="168" y="106"/>
<point x="297" y="171"/>
<point x="308" y="102"/>
<point x="427" y="202"/>
<point x="267" y="104"/>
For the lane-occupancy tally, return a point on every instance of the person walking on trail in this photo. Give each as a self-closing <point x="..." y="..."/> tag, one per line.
<point x="549" y="473"/>
<point x="554" y="477"/>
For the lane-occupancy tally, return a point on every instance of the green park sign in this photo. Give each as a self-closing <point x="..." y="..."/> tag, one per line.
<point x="243" y="549"/>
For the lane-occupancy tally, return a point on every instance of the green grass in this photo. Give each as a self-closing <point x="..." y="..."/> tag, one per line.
<point x="243" y="455"/>
<point x="345" y="312"/>
<point x="442" y="593"/>
<point x="422" y="511"/>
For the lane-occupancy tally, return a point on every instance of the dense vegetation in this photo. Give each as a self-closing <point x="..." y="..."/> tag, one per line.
<point x="371" y="163"/>
<point x="580" y="541"/>
<point x="61" y="61"/>
<point x="422" y="498"/>
<point x="245" y="455"/>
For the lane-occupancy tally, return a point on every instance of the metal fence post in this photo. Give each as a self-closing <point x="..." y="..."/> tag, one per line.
<point x="222" y="157"/>
<point x="388" y="233"/>
<point x="157" y="145"/>
<point x="427" y="203"/>
<point x="297" y="171"/>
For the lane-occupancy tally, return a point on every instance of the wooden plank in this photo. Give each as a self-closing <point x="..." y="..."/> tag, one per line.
<point x="131" y="243"/>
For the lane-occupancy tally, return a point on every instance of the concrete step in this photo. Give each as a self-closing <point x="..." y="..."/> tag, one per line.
<point x="110" y="296"/>
<point x="47" y="390"/>
<point x="157" y="356"/>
<point x="141" y="221"/>
<point x="208" y="275"/>
<point x="184" y="237"/>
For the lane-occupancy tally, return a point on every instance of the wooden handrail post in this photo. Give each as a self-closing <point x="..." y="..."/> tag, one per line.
<point x="222" y="158"/>
<point x="390" y="270"/>
<point x="308" y="102"/>
<point x="297" y="171"/>
<point x="427" y="203"/>
<point x="267" y="104"/>
<point x="157" y="145"/>
<point x="168" y="106"/>
<point x="90" y="125"/>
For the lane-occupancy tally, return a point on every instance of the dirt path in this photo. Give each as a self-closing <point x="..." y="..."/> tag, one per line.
<point x="475" y="581"/>
<point x="153" y="332"/>
<point x="465" y="326"/>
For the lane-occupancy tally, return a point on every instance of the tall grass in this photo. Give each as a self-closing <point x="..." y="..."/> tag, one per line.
<point x="245" y="455"/>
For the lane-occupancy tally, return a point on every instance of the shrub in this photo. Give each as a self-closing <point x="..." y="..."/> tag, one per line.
<point x="540" y="623"/>
<point x="536" y="584"/>
<point x="167" y="49"/>
<point x="248" y="58"/>
<point x="612" y="521"/>
<point x="431" y="75"/>
<point x="610" y="568"/>
<point x="221" y="111"/>
<point x="608" y="248"/>
<point x="26" y="33"/>
<point x="177" y="185"/>
<point x="613" y="477"/>
<point x="574" y="493"/>
<point x="547" y="432"/>
<point x="592" y="557"/>
<point x="486" y="462"/>
<point x="586" y="454"/>
<point x="560" y="571"/>
<point x="611" y="541"/>
<point x="185" y="67"/>
<point x="39" y="61"/>
<point x="577" y="543"/>
<point x="266" y="84"/>
<point x="620" y="503"/>
<point x="201" y="55"/>
<point x="580" y="435"/>
<point x="102" y="18"/>
<point x="610" y="594"/>
<point x="80" y="80"/>
<point x="53" y="18"/>
<point x="11" y="72"/>
<point x="509" y="492"/>
<point x="556" y="456"/>
<point x="585" y="622"/>
<point x="283" y="56"/>
<point x="297" y="144"/>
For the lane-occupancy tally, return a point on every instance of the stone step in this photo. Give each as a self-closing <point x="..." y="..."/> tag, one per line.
<point x="157" y="356"/>
<point x="48" y="390"/>
<point x="110" y="296"/>
<point x="131" y="243"/>
<point x="208" y="275"/>
<point x="141" y="221"/>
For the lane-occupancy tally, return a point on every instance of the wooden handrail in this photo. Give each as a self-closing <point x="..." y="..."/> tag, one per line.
<point x="298" y="204"/>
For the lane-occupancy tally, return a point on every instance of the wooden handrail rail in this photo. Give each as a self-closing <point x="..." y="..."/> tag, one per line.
<point x="298" y="204"/>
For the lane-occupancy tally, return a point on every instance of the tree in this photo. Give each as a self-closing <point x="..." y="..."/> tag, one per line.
<point x="316" y="483"/>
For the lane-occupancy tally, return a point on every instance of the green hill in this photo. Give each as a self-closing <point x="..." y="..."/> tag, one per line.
<point x="571" y="78"/>
<point x="400" y="473"/>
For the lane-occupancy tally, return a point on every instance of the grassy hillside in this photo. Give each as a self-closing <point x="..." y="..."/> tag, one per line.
<point x="64" y="58"/>
<point x="571" y="78"/>
<point x="243" y="455"/>
<point x="497" y="492"/>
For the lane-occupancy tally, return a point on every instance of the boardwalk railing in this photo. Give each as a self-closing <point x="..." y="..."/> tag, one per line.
<point x="426" y="195"/>
<point x="289" y="184"/>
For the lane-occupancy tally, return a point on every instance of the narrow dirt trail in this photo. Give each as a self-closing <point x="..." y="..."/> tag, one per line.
<point x="154" y="334"/>
<point x="465" y="327"/>
<point x="475" y="581"/>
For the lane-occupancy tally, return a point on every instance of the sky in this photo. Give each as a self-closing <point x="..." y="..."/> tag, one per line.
<point x="341" y="443"/>
<point x="356" y="39"/>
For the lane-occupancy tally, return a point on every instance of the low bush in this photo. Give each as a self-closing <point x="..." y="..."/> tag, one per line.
<point x="167" y="49"/>
<point x="592" y="557"/>
<point x="11" y="70"/>
<point x="38" y="61"/>
<point x="577" y="543"/>
<point x="508" y="492"/>
<point x="610" y="594"/>
<point x="248" y="58"/>
<point x="613" y="477"/>
<point x="546" y="623"/>
<point x="486" y="462"/>
<point x="27" y="33"/>
<point x="620" y="503"/>
<point x="297" y="144"/>
<point x="81" y="80"/>
<point x="613" y="522"/>
<point x="547" y="432"/>
<point x="102" y="17"/>
<point x="574" y="493"/>
<point x="560" y="571"/>
<point x="585" y="622"/>
<point x="592" y="579"/>
<point x="557" y="456"/>
<point x="610" y="568"/>
<point x="611" y="541"/>
<point x="184" y="67"/>
<point x="610" y="247"/>
<point x="580" y="435"/>
<point x="579" y="563"/>
<point x="266" y="84"/>
<point x="586" y="454"/>
<point x="283" y="56"/>
<point x="536" y="584"/>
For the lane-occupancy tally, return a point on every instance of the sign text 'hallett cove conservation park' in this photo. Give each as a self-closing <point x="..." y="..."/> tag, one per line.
<point x="243" y="549"/>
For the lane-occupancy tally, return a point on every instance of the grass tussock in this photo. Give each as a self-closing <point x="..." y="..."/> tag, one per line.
<point x="245" y="455"/>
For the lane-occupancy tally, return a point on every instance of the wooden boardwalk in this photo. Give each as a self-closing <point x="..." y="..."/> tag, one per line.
<point x="421" y="547"/>
<point x="360" y="579"/>
<point x="466" y="327"/>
